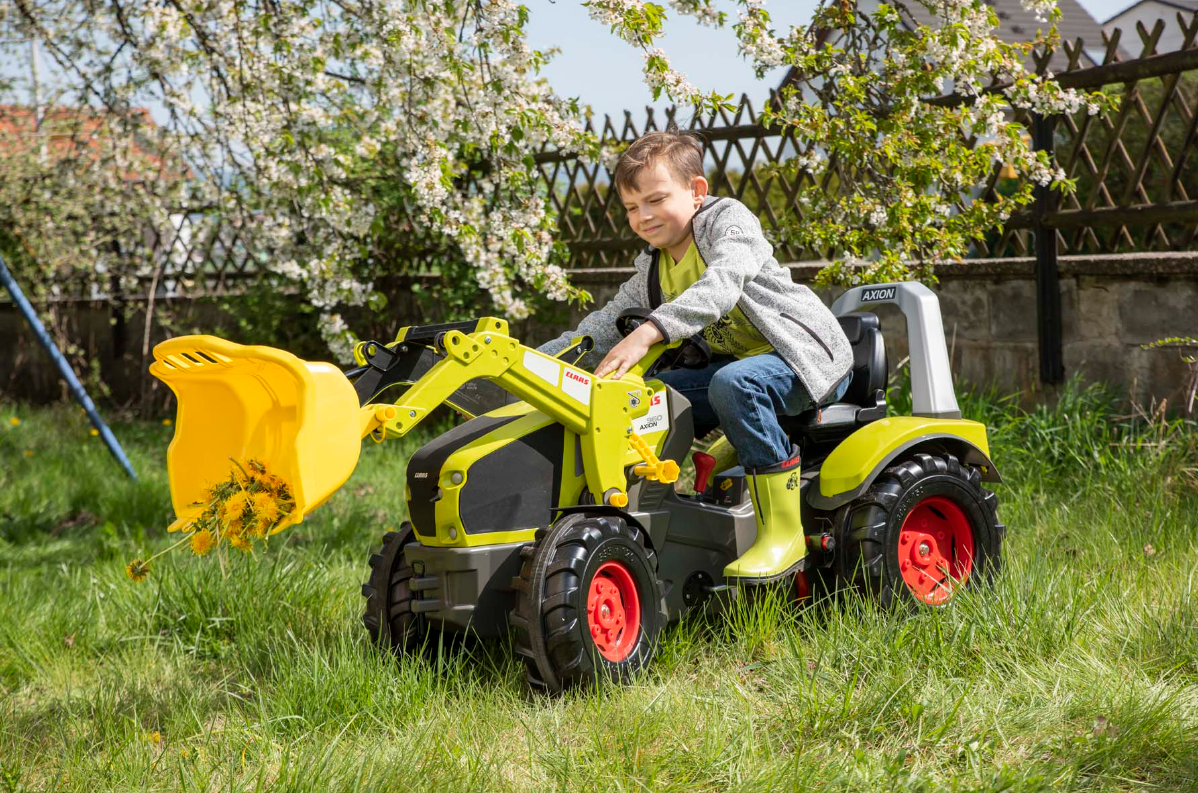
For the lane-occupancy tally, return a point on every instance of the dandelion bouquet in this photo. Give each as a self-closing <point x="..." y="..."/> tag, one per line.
<point x="239" y="511"/>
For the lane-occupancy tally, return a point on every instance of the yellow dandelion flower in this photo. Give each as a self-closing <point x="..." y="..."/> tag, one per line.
<point x="154" y="737"/>
<point x="166" y="422"/>
<point x="202" y="542"/>
<point x="235" y="505"/>
<point x="29" y="452"/>
<point x="239" y="542"/>
<point x="16" y="422"/>
<point x="137" y="570"/>
<point x="266" y="508"/>
<point x="95" y="432"/>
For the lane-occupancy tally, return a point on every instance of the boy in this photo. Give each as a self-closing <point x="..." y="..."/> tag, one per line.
<point x="775" y="347"/>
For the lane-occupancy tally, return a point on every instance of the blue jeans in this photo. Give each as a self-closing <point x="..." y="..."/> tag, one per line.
<point x="745" y="397"/>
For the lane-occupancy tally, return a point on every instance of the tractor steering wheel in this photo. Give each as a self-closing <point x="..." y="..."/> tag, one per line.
<point x="694" y="353"/>
<point x="630" y="319"/>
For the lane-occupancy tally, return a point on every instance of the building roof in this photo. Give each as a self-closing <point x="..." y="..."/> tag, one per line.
<point x="1190" y="6"/>
<point x="67" y="131"/>
<point x="1015" y="25"/>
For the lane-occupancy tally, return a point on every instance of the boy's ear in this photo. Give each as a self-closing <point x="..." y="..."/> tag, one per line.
<point x="698" y="190"/>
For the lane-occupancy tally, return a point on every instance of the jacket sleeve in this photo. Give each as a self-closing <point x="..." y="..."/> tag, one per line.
<point x="733" y="259"/>
<point x="600" y="325"/>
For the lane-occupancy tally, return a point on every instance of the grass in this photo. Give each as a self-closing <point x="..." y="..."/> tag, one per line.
<point x="1077" y="671"/>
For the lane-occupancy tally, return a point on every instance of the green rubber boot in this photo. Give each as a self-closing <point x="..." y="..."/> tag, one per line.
<point x="780" y="543"/>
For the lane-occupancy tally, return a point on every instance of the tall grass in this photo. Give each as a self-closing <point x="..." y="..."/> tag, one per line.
<point x="1078" y="670"/>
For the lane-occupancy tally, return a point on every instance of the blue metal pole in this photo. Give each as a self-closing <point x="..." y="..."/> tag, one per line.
<point x="68" y="374"/>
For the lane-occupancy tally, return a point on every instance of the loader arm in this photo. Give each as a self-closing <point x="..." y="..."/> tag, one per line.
<point x="599" y="411"/>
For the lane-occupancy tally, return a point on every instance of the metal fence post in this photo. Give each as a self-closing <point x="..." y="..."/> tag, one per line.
<point x="1048" y="280"/>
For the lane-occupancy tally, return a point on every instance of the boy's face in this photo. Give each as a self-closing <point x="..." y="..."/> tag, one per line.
<point x="660" y="207"/>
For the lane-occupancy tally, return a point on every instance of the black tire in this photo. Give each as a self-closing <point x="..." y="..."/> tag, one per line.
<point x="551" y="621"/>
<point x="389" y="618"/>
<point x="870" y="531"/>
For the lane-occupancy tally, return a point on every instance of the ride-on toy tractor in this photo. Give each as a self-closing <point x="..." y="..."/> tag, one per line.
<point x="552" y="511"/>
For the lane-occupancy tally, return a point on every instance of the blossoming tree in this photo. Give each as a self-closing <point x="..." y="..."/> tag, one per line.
<point x="314" y="124"/>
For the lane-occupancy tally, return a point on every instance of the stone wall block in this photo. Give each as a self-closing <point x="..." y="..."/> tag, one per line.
<point x="1167" y="375"/>
<point x="1098" y="309"/>
<point x="1013" y="310"/>
<point x="965" y="308"/>
<point x="1148" y="312"/>
<point x="1101" y="360"/>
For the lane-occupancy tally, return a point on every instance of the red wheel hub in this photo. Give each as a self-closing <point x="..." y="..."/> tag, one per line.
<point x="613" y="611"/>
<point x="935" y="549"/>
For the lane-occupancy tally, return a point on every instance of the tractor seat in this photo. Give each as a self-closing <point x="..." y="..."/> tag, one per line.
<point x="865" y="401"/>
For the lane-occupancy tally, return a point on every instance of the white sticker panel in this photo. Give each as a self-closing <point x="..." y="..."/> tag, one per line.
<point x="577" y="384"/>
<point x="547" y="369"/>
<point x="656" y="420"/>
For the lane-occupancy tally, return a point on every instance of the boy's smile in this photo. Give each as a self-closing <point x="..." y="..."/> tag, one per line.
<point x="660" y="208"/>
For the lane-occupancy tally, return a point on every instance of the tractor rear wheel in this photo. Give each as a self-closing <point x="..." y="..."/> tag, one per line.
<point x="924" y="530"/>
<point x="588" y="603"/>
<point x="389" y="618"/>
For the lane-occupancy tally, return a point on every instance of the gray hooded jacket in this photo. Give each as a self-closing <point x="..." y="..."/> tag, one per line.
<point x="740" y="271"/>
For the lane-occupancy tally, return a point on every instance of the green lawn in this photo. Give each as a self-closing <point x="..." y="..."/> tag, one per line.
<point x="1077" y="671"/>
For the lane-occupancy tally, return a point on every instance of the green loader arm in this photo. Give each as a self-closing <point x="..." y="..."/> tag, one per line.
<point x="600" y="411"/>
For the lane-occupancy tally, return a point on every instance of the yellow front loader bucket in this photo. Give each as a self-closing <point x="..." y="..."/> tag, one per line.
<point x="300" y="419"/>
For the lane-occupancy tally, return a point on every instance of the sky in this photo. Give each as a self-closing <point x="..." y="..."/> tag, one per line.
<point x="604" y="72"/>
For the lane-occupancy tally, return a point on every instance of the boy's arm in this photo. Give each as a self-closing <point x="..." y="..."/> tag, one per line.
<point x="600" y="325"/>
<point x="733" y="260"/>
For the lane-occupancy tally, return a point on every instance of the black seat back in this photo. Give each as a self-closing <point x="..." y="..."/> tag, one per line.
<point x="869" y="357"/>
<point x="818" y="430"/>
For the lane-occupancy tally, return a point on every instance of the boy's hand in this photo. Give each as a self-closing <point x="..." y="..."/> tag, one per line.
<point x="629" y="351"/>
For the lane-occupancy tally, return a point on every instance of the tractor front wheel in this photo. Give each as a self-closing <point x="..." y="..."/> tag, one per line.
<point x="924" y="530"/>
<point x="389" y="618"/>
<point x="588" y="603"/>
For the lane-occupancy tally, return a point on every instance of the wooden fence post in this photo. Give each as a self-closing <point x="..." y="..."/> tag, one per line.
<point x="1048" y="281"/>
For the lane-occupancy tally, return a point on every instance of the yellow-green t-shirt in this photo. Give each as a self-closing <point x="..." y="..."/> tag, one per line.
<point x="731" y="334"/>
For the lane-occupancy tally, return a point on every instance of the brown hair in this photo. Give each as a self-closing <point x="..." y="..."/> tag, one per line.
<point x="681" y="151"/>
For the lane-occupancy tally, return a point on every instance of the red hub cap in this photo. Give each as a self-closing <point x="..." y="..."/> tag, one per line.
<point x="935" y="549"/>
<point x="613" y="611"/>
